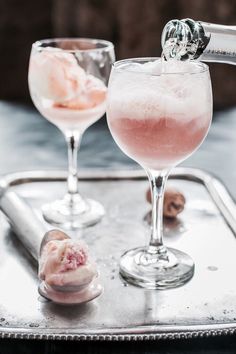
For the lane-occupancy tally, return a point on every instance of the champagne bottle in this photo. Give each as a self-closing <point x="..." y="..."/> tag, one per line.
<point x="188" y="39"/>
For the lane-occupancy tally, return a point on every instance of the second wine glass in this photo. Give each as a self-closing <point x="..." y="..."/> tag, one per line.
<point x="67" y="82"/>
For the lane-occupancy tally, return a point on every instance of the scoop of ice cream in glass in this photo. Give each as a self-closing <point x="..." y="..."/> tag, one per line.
<point x="67" y="82"/>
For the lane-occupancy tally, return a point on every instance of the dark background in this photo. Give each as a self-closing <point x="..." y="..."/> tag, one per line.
<point x="196" y="346"/>
<point x="134" y="26"/>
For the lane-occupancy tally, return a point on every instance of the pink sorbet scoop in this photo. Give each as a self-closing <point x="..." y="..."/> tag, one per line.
<point x="67" y="273"/>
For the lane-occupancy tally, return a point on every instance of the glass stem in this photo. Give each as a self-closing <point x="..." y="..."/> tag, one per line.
<point x="157" y="182"/>
<point x="73" y="143"/>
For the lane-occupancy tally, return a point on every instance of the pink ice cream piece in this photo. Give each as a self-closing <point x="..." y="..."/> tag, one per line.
<point x="94" y="94"/>
<point x="95" y="90"/>
<point x="66" y="263"/>
<point x="56" y="75"/>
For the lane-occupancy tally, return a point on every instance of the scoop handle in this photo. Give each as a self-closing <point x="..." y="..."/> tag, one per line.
<point x="24" y="221"/>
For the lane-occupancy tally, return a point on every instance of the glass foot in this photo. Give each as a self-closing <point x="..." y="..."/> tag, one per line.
<point x="72" y="213"/>
<point x="163" y="269"/>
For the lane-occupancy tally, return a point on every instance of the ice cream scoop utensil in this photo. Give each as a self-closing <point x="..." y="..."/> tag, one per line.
<point x="34" y="235"/>
<point x="24" y="221"/>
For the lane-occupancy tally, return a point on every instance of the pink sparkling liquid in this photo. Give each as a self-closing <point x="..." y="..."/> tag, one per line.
<point x="160" y="142"/>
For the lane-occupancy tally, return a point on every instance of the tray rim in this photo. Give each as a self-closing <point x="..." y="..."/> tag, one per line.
<point x="220" y="197"/>
<point x="119" y="334"/>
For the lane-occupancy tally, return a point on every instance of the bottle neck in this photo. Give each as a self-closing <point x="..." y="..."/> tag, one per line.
<point x="188" y="39"/>
<point x="184" y="39"/>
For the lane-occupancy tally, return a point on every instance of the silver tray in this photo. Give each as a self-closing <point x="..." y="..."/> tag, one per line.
<point x="206" y="306"/>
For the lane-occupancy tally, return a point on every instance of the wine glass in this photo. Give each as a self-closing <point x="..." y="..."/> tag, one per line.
<point x="158" y="113"/>
<point x="67" y="82"/>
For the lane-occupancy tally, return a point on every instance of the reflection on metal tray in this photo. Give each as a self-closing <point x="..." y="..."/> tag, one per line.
<point x="205" y="230"/>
